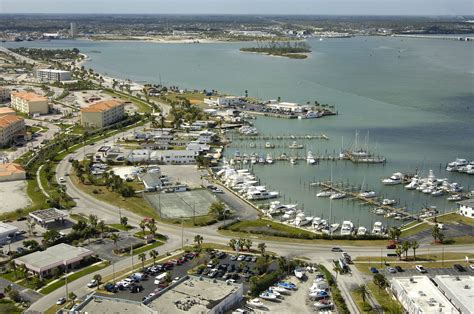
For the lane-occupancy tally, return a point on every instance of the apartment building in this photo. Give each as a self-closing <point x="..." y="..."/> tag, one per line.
<point x="50" y="75"/>
<point x="11" y="126"/>
<point x="103" y="113"/>
<point x="29" y="103"/>
<point x="4" y="94"/>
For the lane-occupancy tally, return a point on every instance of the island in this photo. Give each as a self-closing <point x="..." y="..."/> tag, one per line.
<point x="295" y="50"/>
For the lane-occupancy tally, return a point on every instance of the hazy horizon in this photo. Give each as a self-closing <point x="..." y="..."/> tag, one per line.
<point x="243" y="7"/>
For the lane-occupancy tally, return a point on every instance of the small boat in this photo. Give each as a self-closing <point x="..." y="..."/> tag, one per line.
<point x="269" y="159"/>
<point x="256" y="303"/>
<point x="361" y="231"/>
<point x="295" y="145"/>
<point x="388" y="202"/>
<point x="323" y="304"/>
<point x="310" y="158"/>
<point x="347" y="227"/>
<point x="293" y="161"/>
<point x="437" y="193"/>
<point x="368" y="194"/>
<point x="287" y="285"/>
<point x="378" y="228"/>
<point x="252" y="145"/>
<point x="337" y="196"/>
<point x="455" y="198"/>
<point x="299" y="273"/>
<point x="379" y="211"/>
<point x="318" y="294"/>
<point x="394" y="179"/>
<point x="266" y="295"/>
<point x="269" y="145"/>
<point x="261" y="160"/>
<point x="324" y="194"/>
<point x="276" y="293"/>
<point x="278" y="289"/>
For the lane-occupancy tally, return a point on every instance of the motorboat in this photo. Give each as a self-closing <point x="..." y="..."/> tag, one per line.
<point x="318" y="294"/>
<point x="361" y="231"/>
<point x="261" y="195"/>
<point x="337" y="196"/>
<point x="437" y="193"/>
<point x="368" y="194"/>
<point x="266" y="295"/>
<point x="287" y="285"/>
<point x="316" y="222"/>
<point x="295" y="145"/>
<point x="323" y="304"/>
<point x="311" y="115"/>
<point x="388" y="202"/>
<point x="276" y="293"/>
<point x="394" y="179"/>
<point x="378" y="228"/>
<point x="248" y="130"/>
<point x="279" y="289"/>
<point x="379" y="211"/>
<point x="299" y="273"/>
<point x="347" y="227"/>
<point x="324" y="194"/>
<point x="256" y="303"/>
<point x="310" y="158"/>
<point x="293" y="161"/>
<point x="455" y="198"/>
<point x="330" y="229"/>
<point x="269" y="145"/>
<point x="269" y="159"/>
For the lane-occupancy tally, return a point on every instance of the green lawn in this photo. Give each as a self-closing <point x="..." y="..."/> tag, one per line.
<point x="86" y="271"/>
<point x="363" y="308"/>
<point x="142" y="105"/>
<point x="455" y="218"/>
<point x="415" y="230"/>
<point x="121" y="227"/>
<point x="388" y="304"/>
<point x="146" y="248"/>
<point x="7" y="306"/>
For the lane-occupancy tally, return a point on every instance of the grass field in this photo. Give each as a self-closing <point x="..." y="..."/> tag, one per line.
<point x="455" y="218"/>
<point x="415" y="230"/>
<point x="388" y="304"/>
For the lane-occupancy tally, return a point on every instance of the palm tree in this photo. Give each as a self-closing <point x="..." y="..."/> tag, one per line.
<point x="152" y="227"/>
<point x="98" y="278"/>
<point x="394" y="233"/>
<point x="363" y="292"/>
<point x="232" y="244"/>
<point x="414" y="245"/>
<point x="399" y="252"/>
<point x="262" y="246"/>
<point x="30" y="225"/>
<point x="142" y="226"/>
<point x="248" y="244"/>
<point x="153" y="254"/>
<point x="24" y="272"/>
<point x="198" y="239"/>
<point x="142" y="258"/>
<point x="405" y="247"/>
<point x="93" y="220"/>
<point x="115" y="237"/>
<point x="12" y="266"/>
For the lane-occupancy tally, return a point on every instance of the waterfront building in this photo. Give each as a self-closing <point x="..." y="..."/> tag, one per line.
<point x="4" y="94"/>
<point x="11" y="127"/>
<point x="103" y="304"/>
<point x="51" y="75"/>
<point x="286" y="106"/>
<point x="29" y="103"/>
<point x="466" y="208"/>
<point x="73" y="30"/>
<point x="418" y="294"/>
<point x="457" y="289"/>
<point x="63" y="256"/>
<point x="174" y="156"/>
<point x="103" y="113"/>
<point x="12" y="172"/>
<point x="225" y="101"/>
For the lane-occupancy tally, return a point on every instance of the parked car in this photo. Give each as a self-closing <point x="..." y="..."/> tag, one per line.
<point x="92" y="284"/>
<point x="392" y="246"/>
<point x="391" y="270"/>
<point x="241" y="258"/>
<point x="399" y="269"/>
<point x="336" y="249"/>
<point x="459" y="268"/>
<point x="374" y="270"/>
<point x="61" y="301"/>
<point x="254" y="259"/>
<point x="248" y="258"/>
<point x="110" y="287"/>
<point x="471" y="266"/>
<point x="136" y="288"/>
<point x="420" y="268"/>
<point x="233" y="257"/>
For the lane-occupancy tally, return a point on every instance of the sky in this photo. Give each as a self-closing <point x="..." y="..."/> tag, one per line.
<point x="316" y="7"/>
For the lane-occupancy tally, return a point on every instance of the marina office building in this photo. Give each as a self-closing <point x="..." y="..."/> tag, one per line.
<point x="29" y="103"/>
<point x="51" y="75"/>
<point x="102" y="113"/>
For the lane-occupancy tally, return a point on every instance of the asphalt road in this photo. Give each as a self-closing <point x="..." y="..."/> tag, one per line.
<point x="176" y="236"/>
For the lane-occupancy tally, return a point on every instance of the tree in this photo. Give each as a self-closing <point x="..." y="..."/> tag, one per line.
<point x="142" y="258"/>
<point x="399" y="252"/>
<point x="50" y="237"/>
<point x="435" y="232"/>
<point x="24" y="272"/>
<point x="248" y="244"/>
<point x="152" y="227"/>
<point x="14" y="295"/>
<point x="262" y="265"/>
<point x="101" y="227"/>
<point x="198" y="240"/>
<point x="98" y="278"/>
<point x="363" y="292"/>
<point x="31" y="245"/>
<point x="114" y="237"/>
<point x="380" y="280"/>
<point x="262" y="246"/>
<point x="30" y="225"/>
<point x="72" y="296"/>
<point x="93" y="220"/>
<point x="282" y="264"/>
<point x="232" y="244"/>
<point x="394" y="233"/>
<point x="414" y="246"/>
<point x="405" y="247"/>
<point x="142" y="226"/>
<point x="124" y="221"/>
<point x="217" y="210"/>
<point x="12" y="267"/>
<point x="153" y="254"/>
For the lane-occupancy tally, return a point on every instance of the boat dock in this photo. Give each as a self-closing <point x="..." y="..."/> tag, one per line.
<point x="238" y="137"/>
<point x="354" y="193"/>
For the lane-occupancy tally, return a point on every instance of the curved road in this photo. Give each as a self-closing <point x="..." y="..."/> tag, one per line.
<point x="87" y="204"/>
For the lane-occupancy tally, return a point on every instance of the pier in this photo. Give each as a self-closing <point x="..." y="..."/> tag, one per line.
<point x="239" y="137"/>
<point x="457" y="38"/>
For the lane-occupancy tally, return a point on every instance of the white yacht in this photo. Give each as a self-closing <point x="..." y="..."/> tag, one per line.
<point x="337" y="196"/>
<point x="388" y="202"/>
<point x="256" y="303"/>
<point x="269" y="159"/>
<point x="396" y="178"/>
<point x="361" y="231"/>
<point x="266" y="295"/>
<point x="310" y="158"/>
<point x="347" y="227"/>
<point x="295" y="145"/>
<point x="269" y="145"/>
<point x="293" y="161"/>
<point x="455" y="198"/>
<point x="378" y="228"/>
<point x="368" y="194"/>
<point x="324" y="194"/>
<point x="331" y="229"/>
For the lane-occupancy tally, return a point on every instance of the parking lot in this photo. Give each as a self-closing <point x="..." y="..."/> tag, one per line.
<point x="104" y="247"/>
<point x="431" y="272"/>
<point x="238" y="270"/>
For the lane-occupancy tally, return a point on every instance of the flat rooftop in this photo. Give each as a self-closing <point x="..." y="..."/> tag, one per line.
<point x="114" y="306"/>
<point x="458" y="289"/>
<point x="424" y="294"/>
<point x="60" y="254"/>
<point x="7" y="229"/>
<point x="193" y="296"/>
<point x="48" y="215"/>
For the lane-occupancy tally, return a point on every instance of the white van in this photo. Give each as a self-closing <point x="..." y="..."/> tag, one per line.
<point x="160" y="278"/>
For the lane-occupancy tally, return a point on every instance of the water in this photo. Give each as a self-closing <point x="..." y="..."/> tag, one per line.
<point x="414" y="96"/>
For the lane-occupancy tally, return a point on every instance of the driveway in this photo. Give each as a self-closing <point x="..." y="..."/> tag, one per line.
<point x="27" y="294"/>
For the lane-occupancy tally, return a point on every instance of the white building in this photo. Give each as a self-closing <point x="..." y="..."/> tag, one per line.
<point x="174" y="156"/>
<point x="7" y="232"/>
<point x="50" y="75"/>
<point x="466" y="208"/>
<point x="285" y="106"/>
<point x="197" y="147"/>
<point x="459" y="290"/>
<point x="225" y="101"/>
<point x="418" y="294"/>
<point x="73" y="30"/>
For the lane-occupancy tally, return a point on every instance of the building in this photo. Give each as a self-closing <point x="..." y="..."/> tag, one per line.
<point x="46" y="216"/>
<point x="73" y="30"/>
<point x="4" y="94"/>
<point x="418" y="294"/>
<point x="12" y="127"/>
<point x="197" y="147"/>
<point x="11" y="172"/>
<point x="51" y="75"/>
<point x="224" y="101"/>
<point x="105" y="305"/>
<point x="285" y="106"/>
<point x="152" y="181"/>
<point x="195" y="295"/>
<point x="29" y="103"/>
<point x="4" y="111"/>
<point x="173" y="157"/>
<point x="457" y="289"/>
<point x="103" y="113"/>
<point x="7" y="232"/>
<point x="62" y="256"/>
<point x="466" y="208"/>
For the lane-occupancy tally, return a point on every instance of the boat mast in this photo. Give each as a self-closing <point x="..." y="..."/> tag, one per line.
<point x="330" y="209"/>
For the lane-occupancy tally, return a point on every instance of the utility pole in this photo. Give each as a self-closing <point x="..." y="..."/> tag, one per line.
<point x="67" y="292"/>
<point x="131" y="252"/>
<point x="113" y="270"/>
<point x="182" y="233"/>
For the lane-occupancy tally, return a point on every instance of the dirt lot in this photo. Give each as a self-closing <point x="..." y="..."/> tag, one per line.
<point x="13" y="196"/>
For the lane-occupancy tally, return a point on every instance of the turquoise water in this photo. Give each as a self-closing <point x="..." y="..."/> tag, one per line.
<point x="415" y="97"/>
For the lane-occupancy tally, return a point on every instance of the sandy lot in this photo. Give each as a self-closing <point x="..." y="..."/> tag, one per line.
<point x="186" y="174"/>
<point x="13" y="196"/>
